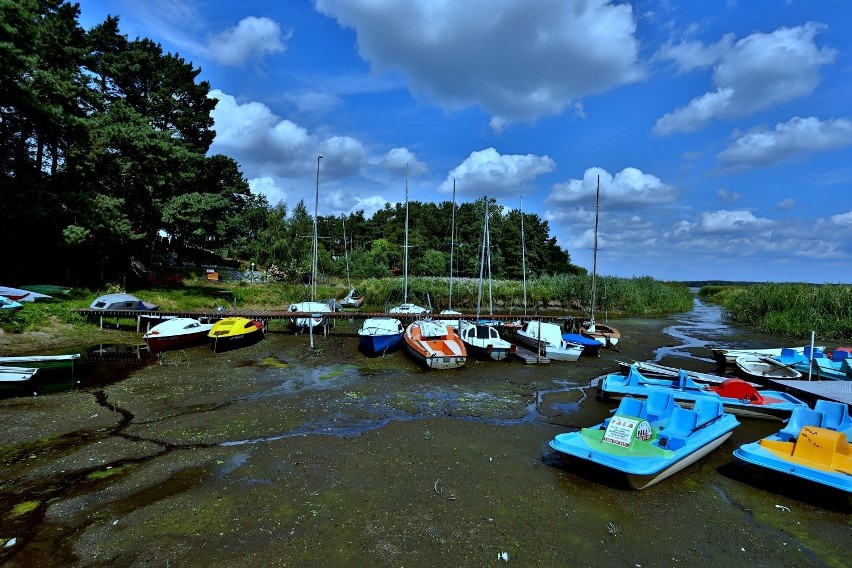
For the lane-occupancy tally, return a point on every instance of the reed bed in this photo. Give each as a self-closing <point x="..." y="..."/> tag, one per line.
<point x="792" y="309"/>
<point x="617" y="296"/>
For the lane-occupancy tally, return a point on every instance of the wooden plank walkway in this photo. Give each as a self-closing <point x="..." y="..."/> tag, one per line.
<point x="272" y="315"/>
<point x="839" y="391"/>
<point x="529" y="357"/>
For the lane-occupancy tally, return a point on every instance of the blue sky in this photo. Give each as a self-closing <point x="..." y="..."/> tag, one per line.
<point x="721" y="131"/>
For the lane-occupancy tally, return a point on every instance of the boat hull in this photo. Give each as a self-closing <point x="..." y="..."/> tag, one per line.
<point x="648" y="441"/>
<point x="736" y="396"/>
<point x="233" y="333"/>
<point x="41" y="361"/>
<point x="439" y="362"/>
<point x="552" y="352"/>
<point x="375" y="345"/>
<point x="174" y="342"/>
<point x="434" y="345"/>
<point x="762" y="369"/>
<point x="788" y="464"/>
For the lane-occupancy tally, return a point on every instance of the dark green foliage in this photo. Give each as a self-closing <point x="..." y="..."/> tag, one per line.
<point x="104" y="145"/>
<point x="792" y="309"/>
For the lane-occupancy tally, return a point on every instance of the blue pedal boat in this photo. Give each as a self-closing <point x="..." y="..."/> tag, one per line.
<point x="737" y="396"/>
<point x="814" y="445"/>
<point x="650" y="440"/>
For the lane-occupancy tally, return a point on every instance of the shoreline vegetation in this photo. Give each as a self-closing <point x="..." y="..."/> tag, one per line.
<point x="618" y="297"/>
<point x="791" y="309"/>
<point x="783" y="309"/>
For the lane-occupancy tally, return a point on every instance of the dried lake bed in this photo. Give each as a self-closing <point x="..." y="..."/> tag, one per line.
<point x="279" y="455"/>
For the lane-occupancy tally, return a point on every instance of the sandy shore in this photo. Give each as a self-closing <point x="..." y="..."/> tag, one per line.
<point x="278" y="455"/>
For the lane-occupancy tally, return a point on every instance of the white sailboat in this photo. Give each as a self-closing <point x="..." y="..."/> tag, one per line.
<point x="405" y="307"/>
<point x="352" y="299"/>
<point x="482" y="337"/>
<point x="312" y="307"/>
<point x="454" y="323"/>
<point x="604" y="333"/>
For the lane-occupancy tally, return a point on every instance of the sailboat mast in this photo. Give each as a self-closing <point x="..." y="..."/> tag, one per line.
<point x="523" y="255"/>
<point x="405" y="257"/>
<point x="595" y="254"/>
<point x="316" y="239"/>
<point x="488" y="252"/>
<point x="482" y="257"/>
<point x="452" y="244"/>
<point x="346" y="253"/>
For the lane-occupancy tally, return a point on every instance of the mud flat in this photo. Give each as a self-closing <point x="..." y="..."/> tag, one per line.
<point x="278" y="455"/>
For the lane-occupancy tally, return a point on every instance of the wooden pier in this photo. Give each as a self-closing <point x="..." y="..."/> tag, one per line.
<point x="529" y="357"/>
<point x="267" y="316"/>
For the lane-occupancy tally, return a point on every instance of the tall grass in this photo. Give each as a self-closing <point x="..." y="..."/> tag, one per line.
<point x="790" y="309"/>
<point x="622" y="296"/>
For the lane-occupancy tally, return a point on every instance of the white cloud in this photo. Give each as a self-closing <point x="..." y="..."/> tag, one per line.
<point x="756" y="72"/>
<point x="342" y="156"/>
<point x="786" y="204"/>
<point x="842" y="219"/>
<point x="266" y="186"/>
<point x="251" y="37"/>
<point x="258" y="139"/>
<point x="628" y="189"/>
<point x="487" y="172"/>
<point x="519" y="61"/>
<point x="797" y="137"/>
<point x="729" y="222"/>
<point x="402" y="160"/>
<point x="728" y="196"/>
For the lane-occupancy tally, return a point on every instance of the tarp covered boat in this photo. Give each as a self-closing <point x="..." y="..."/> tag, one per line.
<point x="121" y="301"/>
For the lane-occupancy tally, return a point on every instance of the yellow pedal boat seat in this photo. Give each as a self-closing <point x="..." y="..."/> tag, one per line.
<point x="816" y="447"/>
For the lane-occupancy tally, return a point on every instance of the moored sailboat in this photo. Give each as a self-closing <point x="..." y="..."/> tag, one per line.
<point x="604" y="333"/>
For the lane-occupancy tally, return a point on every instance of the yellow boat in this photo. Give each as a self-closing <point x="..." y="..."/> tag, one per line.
<point x="813" y="446"/>
<point x="233" y="332"/>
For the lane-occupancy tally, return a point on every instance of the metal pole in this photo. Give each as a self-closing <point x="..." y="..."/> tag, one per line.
<point x="523" y="255"/>
<point x="595" y="255"/>
<point x="452" y="244"/>
<point x="405" y="261"/>
<point x="316" y="248"/>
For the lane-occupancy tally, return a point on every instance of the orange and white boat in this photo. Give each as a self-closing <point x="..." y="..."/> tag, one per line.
<point x="435" y="344"/>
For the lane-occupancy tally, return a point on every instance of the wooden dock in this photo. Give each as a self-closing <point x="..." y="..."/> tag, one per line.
<point x="529" y="357"/>
<point x="267" y="316"/>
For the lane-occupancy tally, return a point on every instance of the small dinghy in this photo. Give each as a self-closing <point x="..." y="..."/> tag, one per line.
<point x="435" y="344"/>
<point x="761" y="368"/>
<point x="231" y="333"/>
<point x="177" y="333"/>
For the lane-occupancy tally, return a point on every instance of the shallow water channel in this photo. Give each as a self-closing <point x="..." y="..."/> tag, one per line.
<point x="280" y="455"/>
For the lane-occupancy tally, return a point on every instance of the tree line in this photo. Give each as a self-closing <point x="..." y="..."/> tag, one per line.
<point x="104" y="148"/>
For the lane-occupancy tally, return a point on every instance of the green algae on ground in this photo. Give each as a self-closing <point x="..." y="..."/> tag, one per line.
<point x="108" y="472"/>
<point x="336" y="371"/>
<point x="274" y="362"/>
<point x="23" y="508"/>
